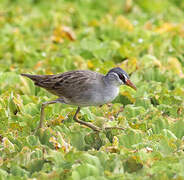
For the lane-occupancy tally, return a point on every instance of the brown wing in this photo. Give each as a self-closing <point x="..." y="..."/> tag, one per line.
<point x="67" y="84"/>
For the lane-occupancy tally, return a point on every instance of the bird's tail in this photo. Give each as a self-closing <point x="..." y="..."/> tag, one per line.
<point x="43" y="81"/>
<point x="33" y="77"/>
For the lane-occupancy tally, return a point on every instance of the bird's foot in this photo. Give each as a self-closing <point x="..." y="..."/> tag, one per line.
<point x="90" y="125"/>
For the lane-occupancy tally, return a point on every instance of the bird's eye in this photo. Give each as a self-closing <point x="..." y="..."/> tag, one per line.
<point x="122" y="77"/>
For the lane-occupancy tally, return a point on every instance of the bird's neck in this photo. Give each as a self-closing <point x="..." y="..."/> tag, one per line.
<point x="108" y="81"/>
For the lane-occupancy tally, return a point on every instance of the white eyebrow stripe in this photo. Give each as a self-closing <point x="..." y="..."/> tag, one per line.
<point x="125" y="76"/>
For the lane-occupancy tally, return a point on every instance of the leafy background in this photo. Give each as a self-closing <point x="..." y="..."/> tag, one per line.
<point x="146" y="38"/>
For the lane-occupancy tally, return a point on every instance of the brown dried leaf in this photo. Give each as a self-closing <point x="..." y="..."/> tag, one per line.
<point x="63" y="32"/>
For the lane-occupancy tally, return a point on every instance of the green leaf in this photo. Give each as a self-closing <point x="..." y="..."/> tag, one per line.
<point x="17" y="171"/>
<point x="131" y="165"/>
<point x="32" y="140"/>
<point x="86" y="170"/>
<point x="35" y="165"/>
<point x="130" y="138"/>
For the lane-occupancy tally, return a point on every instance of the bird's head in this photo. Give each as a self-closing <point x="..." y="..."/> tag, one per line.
<point x="118" y="76"/>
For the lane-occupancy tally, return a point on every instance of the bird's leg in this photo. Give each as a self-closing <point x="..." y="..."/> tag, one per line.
<point x="114" y="127"/>
<point x="95" y="128"/>
<point x="43" y="111"/>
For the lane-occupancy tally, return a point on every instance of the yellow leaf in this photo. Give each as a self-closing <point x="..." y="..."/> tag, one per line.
<point x="18" y="101"/>
<point x="56" y="121"/>
<point x="54" y="141"/>
<point x="134" y="157"/>
<point x="175" y="66"/>
<point x="130" y="65"/>
<point x="123" y="23"/>
<point x="16" y="31"/>
<point x="181" y="30"/>
<point x="15" y="126"/>
<point x="94" y="23"/>
<point x="39" y="64"/>
<point x="149" y="61"/>
<point x="25" y="149"/>
<point x="90" y="64"/>
<point x="79" y="62"/>
<point x="106" y="19"/>
<point x="115" y="141"/>
<point x="148" y="25"/>
<point x="1" y="161"/>
<point x="128" y="95"/>
<point x="166" y="27"/>
<point x="8" y="145"/>
<point x="65" y="145"/>
<point x="61" y="33"/>
<point x="107" y="173"/>
<point x="128" y="5"/>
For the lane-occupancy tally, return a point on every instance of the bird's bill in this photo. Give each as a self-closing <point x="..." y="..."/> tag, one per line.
<point x="129" y="83"/>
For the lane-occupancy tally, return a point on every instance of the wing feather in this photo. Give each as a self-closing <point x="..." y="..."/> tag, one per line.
<point x="67" y="84"/>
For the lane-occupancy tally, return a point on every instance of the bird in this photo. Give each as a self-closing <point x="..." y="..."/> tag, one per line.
<point x="82" y="88"/>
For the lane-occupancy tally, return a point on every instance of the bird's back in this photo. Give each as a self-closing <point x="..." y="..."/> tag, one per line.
<point x="69" y="84"/>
